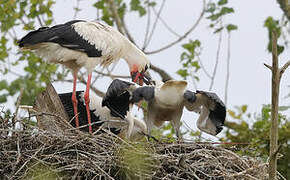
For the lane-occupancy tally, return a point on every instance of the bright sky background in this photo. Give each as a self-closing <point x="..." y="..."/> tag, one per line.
<point x="250" y="81"/>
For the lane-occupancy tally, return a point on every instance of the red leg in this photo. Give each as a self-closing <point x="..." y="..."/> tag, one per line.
<point x="87" y="101"/>
<point x="74" y="98"/>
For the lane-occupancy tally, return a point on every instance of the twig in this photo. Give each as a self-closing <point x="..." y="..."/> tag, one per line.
<point x="111" y="75"/>
<point x="17" y="106"/>
<point x="164" y="75"/>
<point x="228" y="68"/>
<point x="154" y="25"/>
<point x="147" y="27"/>
<point x="39" y="20"/>
<point x="166" y="25"/>
<point x="268" y="66"/>
<point x="283" y="68"/>
<point x="76" y="8"/>
<point x="182" y="37"/>
<point x="216" y="61"/>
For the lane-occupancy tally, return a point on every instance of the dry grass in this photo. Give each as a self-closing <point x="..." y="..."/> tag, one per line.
<point x="36" y="154"/>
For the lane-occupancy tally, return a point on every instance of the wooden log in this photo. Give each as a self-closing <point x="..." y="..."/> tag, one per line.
<point x="51" y="115"/>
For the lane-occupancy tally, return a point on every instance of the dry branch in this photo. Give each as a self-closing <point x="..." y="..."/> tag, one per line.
<point x="105" y="156"/>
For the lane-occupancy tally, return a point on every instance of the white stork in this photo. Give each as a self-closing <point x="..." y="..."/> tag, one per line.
<point x="86" y="44"/>
<point x="167" y="100"/>
<point x="103" y="116"/>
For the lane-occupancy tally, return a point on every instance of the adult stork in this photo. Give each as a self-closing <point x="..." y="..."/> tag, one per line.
<point x="167" y="100"/>
<point x="80" y="43"/>
<point x="103" y="117"/>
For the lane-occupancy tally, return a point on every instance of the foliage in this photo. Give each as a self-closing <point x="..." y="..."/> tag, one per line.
<point x="15" y="14"/>
<point x="279" y="26"/>
<point x="192" y="50"/>
<point x="218" y="10"/>
<point x="257" y="134"/>
<point x="189" y="59"/>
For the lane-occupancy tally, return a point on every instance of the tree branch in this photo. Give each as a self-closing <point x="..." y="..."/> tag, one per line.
<point x="228" y="68"/>
<point x="116" y="16"/>
<point x="283" y="68"/>
<point x="154" y="25"/>
<point x="120" y="22"/>
<point x="182" y="37"/>
<point x="164" y="75"/>
<point x="274" y="109"/>
<point x="216" y="61"/>
<point x="268" y="66"/>
<point x="285" y="6"/>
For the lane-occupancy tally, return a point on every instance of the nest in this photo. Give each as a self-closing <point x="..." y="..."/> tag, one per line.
<point x="37" y="154"/>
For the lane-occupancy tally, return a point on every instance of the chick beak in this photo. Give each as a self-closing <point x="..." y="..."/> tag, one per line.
<point x="147" y="78"/>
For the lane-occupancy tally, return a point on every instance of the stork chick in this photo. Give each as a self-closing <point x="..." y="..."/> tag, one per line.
<point x="102" y="117"/>
<point x="167" y="100"/>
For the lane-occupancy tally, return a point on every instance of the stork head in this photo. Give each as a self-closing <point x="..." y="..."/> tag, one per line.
<point x="140" y="74"/>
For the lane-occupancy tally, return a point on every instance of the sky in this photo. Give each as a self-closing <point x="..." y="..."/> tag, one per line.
<point x="250" y="81"/>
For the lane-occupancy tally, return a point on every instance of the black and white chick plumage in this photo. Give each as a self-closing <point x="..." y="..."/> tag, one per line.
<point x="167" y="100"/>
<point x="102" y="116"/>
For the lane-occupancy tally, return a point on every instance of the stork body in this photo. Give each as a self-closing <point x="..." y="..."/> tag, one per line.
<point x="79" y="43"/>
<point x="166" y="102"/>
<point x="102" y="116"/>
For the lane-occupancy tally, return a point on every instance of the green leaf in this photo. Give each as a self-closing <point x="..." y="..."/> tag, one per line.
<point x="211" y="7"/>
<point x="231" y="27"/>
<point x="226" y="10"/>
<point x="3" y="85"/>
<point x="244" y="108"/>
<point x="136" y="6"/>
<point x="222" y="2"/>
<point x="183" y="73"/>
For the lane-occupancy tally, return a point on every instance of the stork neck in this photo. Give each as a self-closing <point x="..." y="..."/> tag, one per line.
<point x="134" y="56"/>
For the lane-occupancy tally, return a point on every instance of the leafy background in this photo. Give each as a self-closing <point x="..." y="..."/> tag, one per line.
<point x="23" y="70"/>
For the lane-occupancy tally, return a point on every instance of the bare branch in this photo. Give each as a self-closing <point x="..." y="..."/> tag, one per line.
<point x="204" y="69"/>
<point x="83" y="81"/>
<point x="216" y="60"/>
<point x="166" y="25"/>
<point x="184" y="35"/>
<point x="147" y="27"/>
<point x="76" y="8"/>
<point x="111" y="75"/>
<point x="228" y="68"/>
<point x="155" y="24"/>
<point x="17" y="106"/>
<point x="164" y="75"/>
<point x="119" y="22"/>
<point x="268" y="66"/>
<point x="283" y="68"/>
<point x="39" y="20"/>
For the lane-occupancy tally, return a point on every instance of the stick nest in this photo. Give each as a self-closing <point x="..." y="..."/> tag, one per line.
<point x="36" y="154"/>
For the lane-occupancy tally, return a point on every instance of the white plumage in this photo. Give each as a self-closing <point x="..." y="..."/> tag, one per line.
<point x="167" y="100"/>
<point x="86" y="44"/>
<point x="102" y="117"/>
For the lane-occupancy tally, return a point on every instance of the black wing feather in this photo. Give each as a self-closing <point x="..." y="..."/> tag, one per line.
<point x="83" y="120"/>
<point x="62" y="34"/>
<point x="117" y="98"/>
<point x="218" y="115"/>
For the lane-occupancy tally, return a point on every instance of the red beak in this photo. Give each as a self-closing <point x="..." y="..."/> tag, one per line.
<point x="137" y="77"/>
